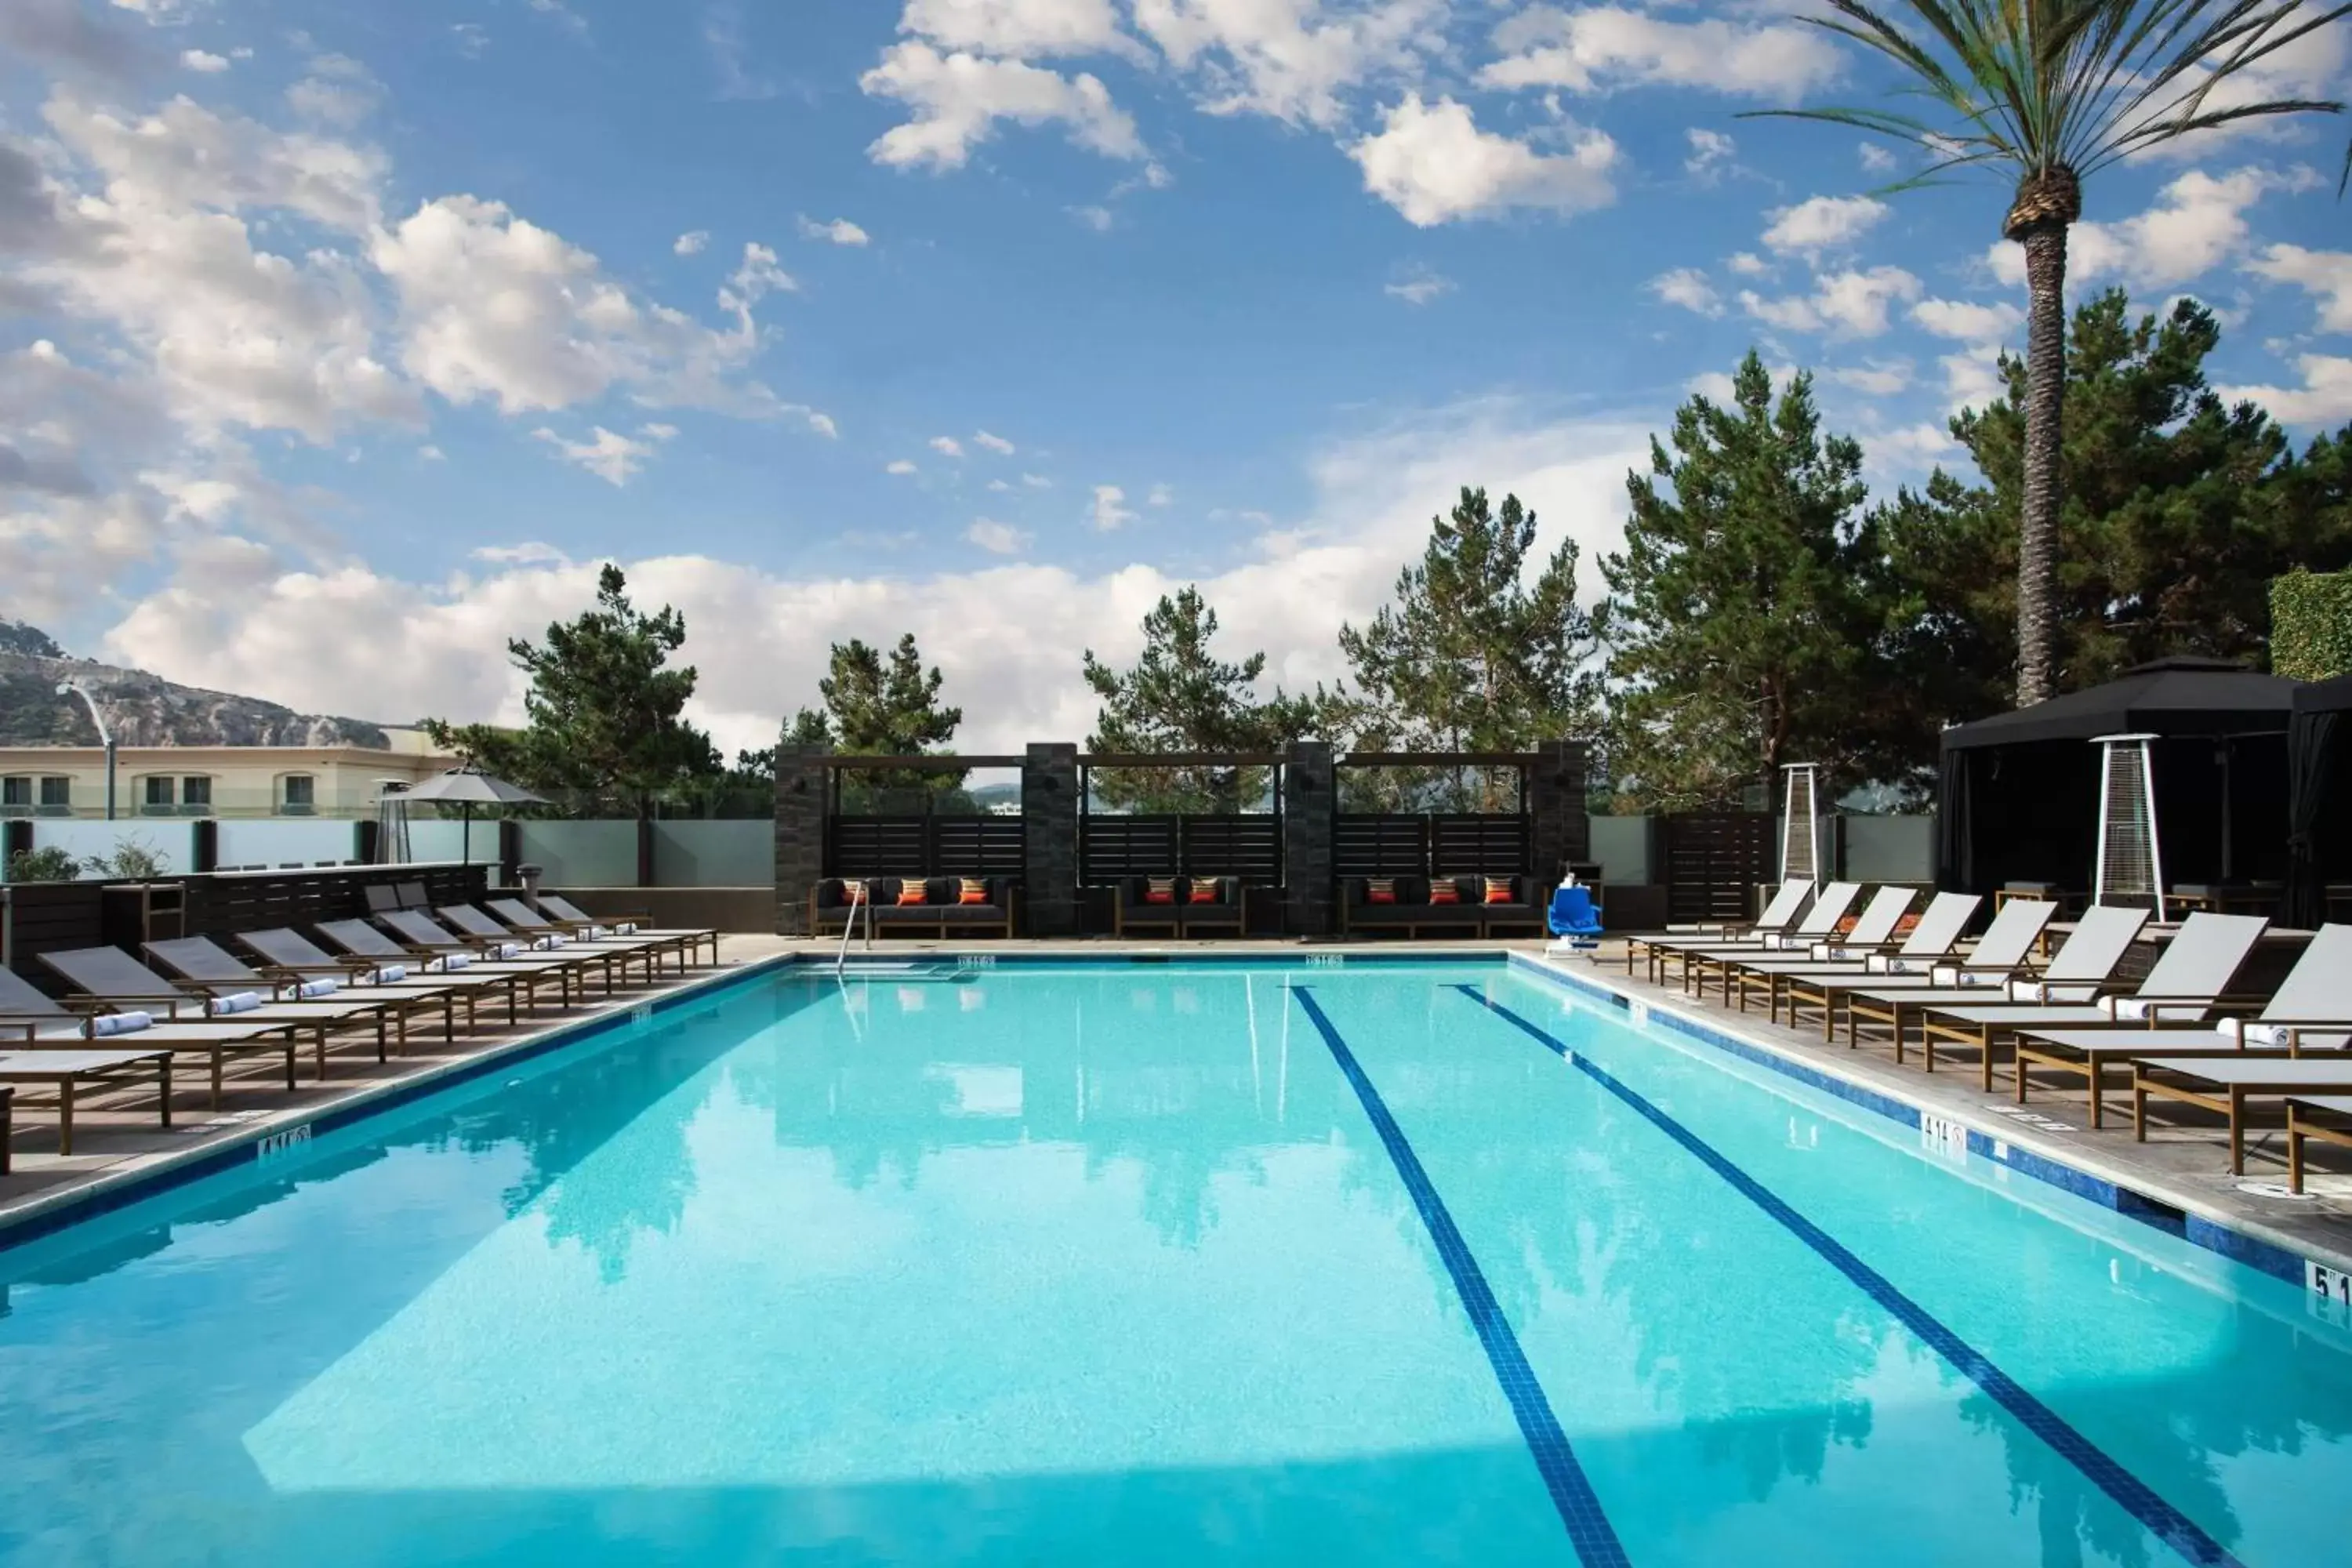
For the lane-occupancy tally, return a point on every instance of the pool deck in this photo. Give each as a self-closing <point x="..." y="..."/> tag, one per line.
<point x="2183" y="1163"/>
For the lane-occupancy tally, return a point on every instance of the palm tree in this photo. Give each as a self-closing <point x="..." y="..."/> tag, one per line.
<point x="2049" y="92"/>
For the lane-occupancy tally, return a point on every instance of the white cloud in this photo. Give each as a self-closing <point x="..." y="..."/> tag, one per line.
<point x="946" y="445"/>
<point x="339" y="92"/>
<point x="1850" y="304"/>
<point x="1110" y="511"/>
<point x="1876" y="159"/>
<point x="432" y="454"/>
<point x="752" y="281"/>
<point x="1709" y="151"/>
<point x="1038" y="481"/>
<point x="1687" y="287"/>
<point x="1095" y="216"/>
<point x="1020" y="29"/>
<point x="2199" y="221"/>
<point x="996" y="444"/>
<point x="2324" y="398"/>
<point x="1967" y="322"/>
<point x="1822" y="223"/>
<point x="1878" y="378"/>
<point x="1294" y="61"/>
<point x="1603" y="46"/>
<point x="1004" y="634"/>
<point x="999" y="487"/>
<point x="1747" y="264"/>
<point x="473" y="38"/>
<point x="2326" y="274"/>
<point x="1972" y="377"/>
<point x="203" y="62"/>
<point x="556" y="11"/>
<point x="819" y="424"/>
<point x="1418" y="285"/>
<point x="529" y="553"/>
<point x="899" y="465"/>
<point x="611" y="456"/>
<point x="690" y="243"/>
<point x="1432" y="164"/>
<point x="1161" y="496"/>
<point x="957" y="99"/>
<point x="1907" y="450"/>
<point x="998" y="538"/>
<point x="840" y="231"/>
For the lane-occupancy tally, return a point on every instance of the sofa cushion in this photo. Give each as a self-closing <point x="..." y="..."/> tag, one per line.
<point x="1445" y="891"/>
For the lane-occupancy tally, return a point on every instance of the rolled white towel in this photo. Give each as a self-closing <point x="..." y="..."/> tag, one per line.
<point x="548" y="943"/>
<point x="595" y="934"/>
<point x="447" y="962"/>
<point x="2028" y="991"/>
<point x="2119" y="1007"/>
<point x="391" y="974"/>
<point x="313" y="988"/>
<point x="626" y="928"/>
<point x="235" y="1002"/>
<point x="106" y="1023"/>
<point x="506" y="950"/>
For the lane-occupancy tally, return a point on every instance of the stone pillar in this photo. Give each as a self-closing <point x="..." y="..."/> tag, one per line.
<point x="1309" y="805"/>
<point x="1049" y="822"/>
<point x="1558" y="831"/>
<point x="801" y="802"/>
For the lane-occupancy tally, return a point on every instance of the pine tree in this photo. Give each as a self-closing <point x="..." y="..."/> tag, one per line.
<point x="604" y="710"/>
<point x="893" y="709"/>
<point x="1472" y="657"/>
<point x="1180" y="697"/>
<point x="1746" y="609"/>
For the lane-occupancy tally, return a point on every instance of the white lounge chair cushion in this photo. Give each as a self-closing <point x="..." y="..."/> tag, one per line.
<point x="235" y="1002"/>
<point x="309" y="989"/>
<point x="106" y="1023"/>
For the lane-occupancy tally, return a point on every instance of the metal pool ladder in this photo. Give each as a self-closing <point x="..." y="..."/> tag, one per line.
<point x="865" y="904"/>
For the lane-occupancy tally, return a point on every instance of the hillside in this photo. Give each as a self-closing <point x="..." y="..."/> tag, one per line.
<point x="144" y="710"/>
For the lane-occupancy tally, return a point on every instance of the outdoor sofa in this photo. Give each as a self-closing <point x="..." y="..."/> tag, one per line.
<point x="1416" y="905"/>
<point x="1194" y="906"/>
<point x="940" y="914"/>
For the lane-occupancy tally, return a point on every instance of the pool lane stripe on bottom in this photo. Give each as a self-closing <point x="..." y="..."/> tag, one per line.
<point x="2161" y="1518"/>
<point x="1588" y="1529"/>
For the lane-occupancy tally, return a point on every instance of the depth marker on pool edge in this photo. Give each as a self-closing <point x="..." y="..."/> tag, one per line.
<point x="1588" y="1528"/>
<point x="2161" y="1519"/>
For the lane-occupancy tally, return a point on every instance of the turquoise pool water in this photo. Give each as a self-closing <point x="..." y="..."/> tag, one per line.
<point x="1145" y="1265"/>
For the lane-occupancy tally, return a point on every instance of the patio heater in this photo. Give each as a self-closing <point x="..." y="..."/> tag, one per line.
<point x="1801" y="824"/>
<point x="2129" y="870"/>
<point x="105" y="735"/>
<point x="391" y="822"/>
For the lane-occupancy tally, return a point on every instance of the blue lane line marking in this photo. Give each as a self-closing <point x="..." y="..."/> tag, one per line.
<point x="1588" y="1528"/>
<point x="2163" y="1521"/>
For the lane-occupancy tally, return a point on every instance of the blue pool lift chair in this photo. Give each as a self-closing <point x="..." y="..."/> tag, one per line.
<point x="1575" y="918"/>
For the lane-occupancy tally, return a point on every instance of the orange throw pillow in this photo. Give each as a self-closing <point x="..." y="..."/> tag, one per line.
<point x="853" y="892"/>
<point x="1444" y="892"/>
<point x="1205" y="890"/>
<point x="975" y="892"/>
<point x="1381" y="890"/>
<point x="1498" y="890"/>
<point x="1159" y="891"/>
<point x="909" y="893"/>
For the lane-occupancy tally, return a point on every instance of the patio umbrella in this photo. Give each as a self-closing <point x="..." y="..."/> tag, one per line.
<point x="470" y="787"/>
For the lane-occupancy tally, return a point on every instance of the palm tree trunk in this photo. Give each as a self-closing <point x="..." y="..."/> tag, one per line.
<point x="2045" y="400"/>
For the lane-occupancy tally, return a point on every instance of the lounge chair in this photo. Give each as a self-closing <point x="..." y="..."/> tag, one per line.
<point x="691" y="937"/>
<point x="425" y="935"/>
<point x="1927" y="959"/>
<point x="1819" y="924"/>
<point x="67" y="1069"/>
<point x="2189" y="980"/>
<point x="1787" y="903"/>
<point x="2225" y="1083"/>
<point x="2326" y="1117"/>
<point x="436" y="948"/>
<point x="31" y="1021"/>
<point x="1872" y="931"/>
<point x="293" y="956"/>
<point x="613" y="956"/>
<point x="114" y="977"/>
<point x="513" y="915"/>
<point x="2079" y="971"/>
<point x="201" y="961"/>
<point x="1932" y="940"/>
<point x="2310" y="1011"/>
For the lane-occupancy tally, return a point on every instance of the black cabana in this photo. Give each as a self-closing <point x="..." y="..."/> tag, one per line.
<point x="2319" y="798"/>
<point x="2018" y="796"/>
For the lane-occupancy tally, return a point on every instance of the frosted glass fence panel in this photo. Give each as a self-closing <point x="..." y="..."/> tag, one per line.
<point x="1890" y="848"/>
<point x="171" y="843"/>
<point x="716" y="854"/>
<point x="286" y="841"/>
<point x="585" y="854"/>
<point x="440" y="841"/>
<point x="1622" y="845"/>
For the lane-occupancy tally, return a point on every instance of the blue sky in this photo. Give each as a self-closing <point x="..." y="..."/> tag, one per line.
<point x="339" y="343"/>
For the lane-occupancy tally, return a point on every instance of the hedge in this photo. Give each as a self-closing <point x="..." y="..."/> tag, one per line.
<point x="2311" y="625"/>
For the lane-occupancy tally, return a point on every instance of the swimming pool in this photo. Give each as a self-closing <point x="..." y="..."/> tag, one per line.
<point x="1113" y="1263"/>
